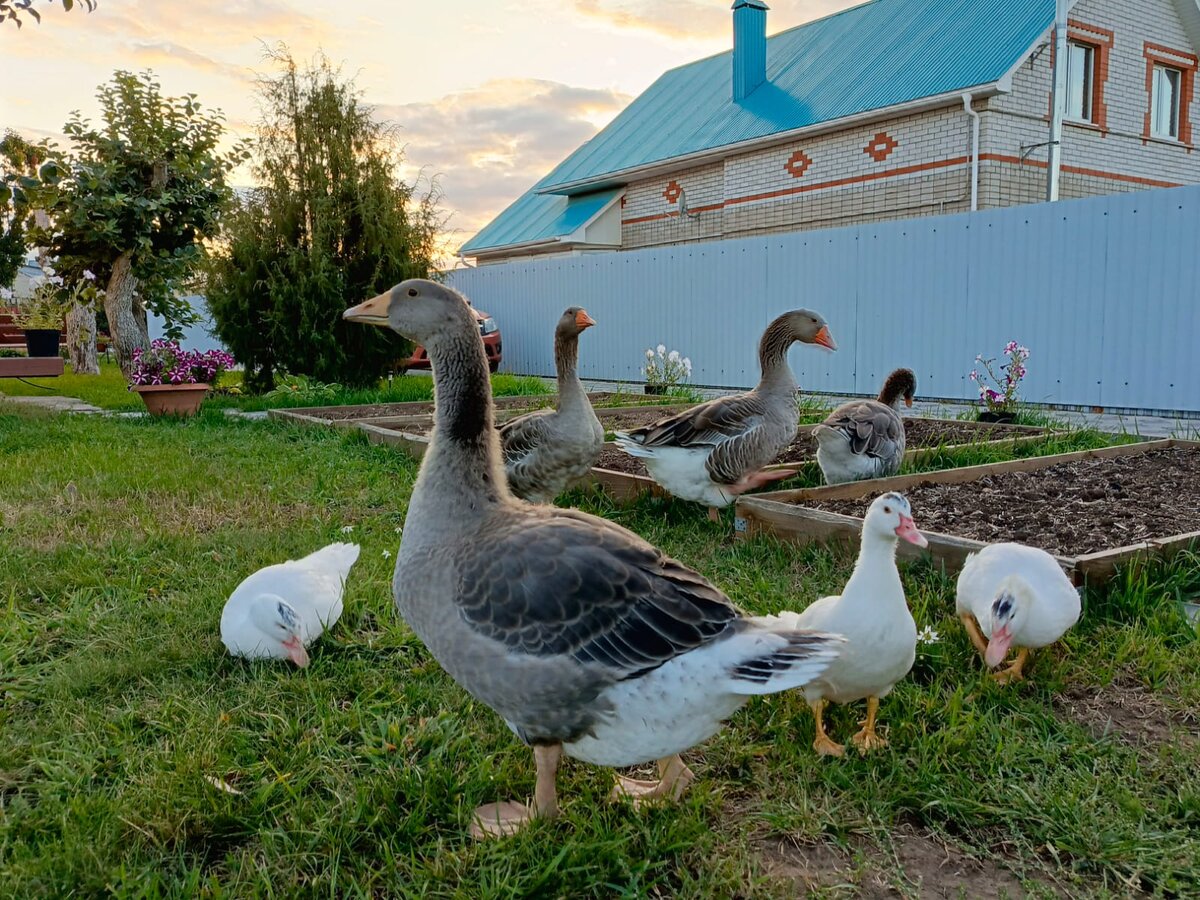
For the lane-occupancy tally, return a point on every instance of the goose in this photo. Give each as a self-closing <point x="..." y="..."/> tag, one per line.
<point x="865" y="438"/>
<point x="546" y="450"/>
<point x="585" y="639"/>
<point x="281" y="609"/>
<point x="872" y="614"/>
<point x="713" y="452"/>
<point x="1020" y="597"/>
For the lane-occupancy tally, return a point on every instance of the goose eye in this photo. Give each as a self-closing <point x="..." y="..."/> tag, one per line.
<point x="887" y="509"/>
<point x="412" y="292"/>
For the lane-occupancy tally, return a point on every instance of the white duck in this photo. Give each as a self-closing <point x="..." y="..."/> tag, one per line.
<point x="713" y="452"/>
<point x="873" y="615"/>
<point x="1020" y="597"/>
<point x="584" y="638"/>
<point x="281" y="609"/>
<point x="865" y="438"/>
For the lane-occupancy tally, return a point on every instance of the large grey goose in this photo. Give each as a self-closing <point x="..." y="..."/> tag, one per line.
<point x="714" y="452"/>
<point x="865" y="438"/>
<point x="582" y="636"/>
<point x="545" y="450"/>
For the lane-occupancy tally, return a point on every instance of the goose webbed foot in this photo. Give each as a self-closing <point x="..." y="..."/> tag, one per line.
<point x="493" y="820"/>
<point x="674" y="778"/>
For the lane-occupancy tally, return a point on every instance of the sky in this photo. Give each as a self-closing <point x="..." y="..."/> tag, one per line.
<point x="489" y="95"/>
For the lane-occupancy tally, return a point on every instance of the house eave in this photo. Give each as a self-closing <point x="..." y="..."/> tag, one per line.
<point x="691" y="160"/>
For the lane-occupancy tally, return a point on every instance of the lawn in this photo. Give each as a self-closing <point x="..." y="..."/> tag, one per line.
<point x="122" y="716"/>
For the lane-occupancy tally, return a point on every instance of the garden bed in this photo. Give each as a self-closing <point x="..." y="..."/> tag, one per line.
<point x="1093" y="509"/>
<point x="406" y="413"/>
<point x="922" y="436"/>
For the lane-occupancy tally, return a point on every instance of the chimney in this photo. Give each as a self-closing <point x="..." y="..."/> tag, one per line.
<point x="749" y="47"/>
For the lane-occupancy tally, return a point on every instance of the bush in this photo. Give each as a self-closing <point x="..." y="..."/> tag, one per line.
<point x="330" y="227"/>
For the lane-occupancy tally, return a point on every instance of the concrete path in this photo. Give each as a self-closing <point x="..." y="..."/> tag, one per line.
<point x="53" y="403"/>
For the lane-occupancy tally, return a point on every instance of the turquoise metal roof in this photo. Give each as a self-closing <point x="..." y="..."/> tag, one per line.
<point x="533" y="218"/>
<point x="881" y="54"/>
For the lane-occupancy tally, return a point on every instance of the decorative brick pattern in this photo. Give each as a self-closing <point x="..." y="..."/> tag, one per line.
<point x="798" y="164"/>
<point x="881" y="146"/>
<point x="673" y="192"/>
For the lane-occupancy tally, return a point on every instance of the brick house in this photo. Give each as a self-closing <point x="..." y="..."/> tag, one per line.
<point x="888" y="110"/>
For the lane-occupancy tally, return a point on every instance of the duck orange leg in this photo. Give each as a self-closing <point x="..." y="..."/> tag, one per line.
<point x="1014" y="672"/>
<point x="673" y="779"/>
<point x="508" y="817"/>
<point x="974" y="633"/>
<point x="867" y="740"/>
<point x="824" y="745"/>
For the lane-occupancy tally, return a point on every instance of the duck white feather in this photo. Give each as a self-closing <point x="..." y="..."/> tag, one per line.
<point x="873" y="615"/>
<point x="1019" y="596"/>
<point x="278" y="611"/>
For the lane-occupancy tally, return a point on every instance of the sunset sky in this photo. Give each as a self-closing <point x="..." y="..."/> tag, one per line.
<point x="490" y="94"/>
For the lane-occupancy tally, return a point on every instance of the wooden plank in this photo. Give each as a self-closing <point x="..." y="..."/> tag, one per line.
<point x="415" y="445"/>
<point x="32" y="367"/>
<point x="1103" y="564"/>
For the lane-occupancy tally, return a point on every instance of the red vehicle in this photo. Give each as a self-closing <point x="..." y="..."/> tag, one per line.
<point x="488" y="330"/>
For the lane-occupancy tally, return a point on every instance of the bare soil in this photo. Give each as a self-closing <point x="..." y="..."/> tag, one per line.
<point x="1130" y="712"/>
<point x="917" y="433"/>
<point x="1070" y="509"/>
<point x="918" y="864"/>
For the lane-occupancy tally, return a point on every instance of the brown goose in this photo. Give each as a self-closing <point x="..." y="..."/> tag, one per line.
<point x="583" y="637"/>
<point x="713" y="452"/>
<point x="865" y="438"/>
<point x="545" y="450"/>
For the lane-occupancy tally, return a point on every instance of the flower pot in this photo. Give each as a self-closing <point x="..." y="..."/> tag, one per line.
<point x="41" y="342"/>
<point x="172" y="399"/>
<point x="1006" y="418"/>
<point x="655" y="389"/>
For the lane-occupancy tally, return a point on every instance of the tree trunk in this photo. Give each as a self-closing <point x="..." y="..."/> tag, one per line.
<point x="127" y="330"/>
<point x="81" y="339"/>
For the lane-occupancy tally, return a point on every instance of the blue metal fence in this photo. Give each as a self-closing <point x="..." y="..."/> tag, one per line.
<point x="1104" y="291"/>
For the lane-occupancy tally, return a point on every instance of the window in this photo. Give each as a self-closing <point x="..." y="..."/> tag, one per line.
<point x="1164" y="102"/>
<point x="1081" y="68"/>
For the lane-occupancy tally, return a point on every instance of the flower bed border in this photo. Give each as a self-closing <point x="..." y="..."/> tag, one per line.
<point x="781" y="513"/>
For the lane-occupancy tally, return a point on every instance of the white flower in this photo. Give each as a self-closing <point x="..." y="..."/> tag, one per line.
<point x="927" y="635"/>
<point x="687" y="365"/>
<point x="346" y="529"/>
<point x="673" y="356"/>
<point x="56" y="279"/>
<point x="387" y="554"/>
<point x="89" y="275"/>
<point x="6" y="294"/>
<point x="649" y="354"/>
<point x="660" y="349"/>
<point x="399" y="530"/>
<point x="49" y="270"/>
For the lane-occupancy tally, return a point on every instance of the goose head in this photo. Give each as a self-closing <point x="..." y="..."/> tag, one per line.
<point x="805" y="326"/>
<point x="419" y="309"/>
<point x="1009" y="610"/>
<point x="573" y="322"/>
<point x="890" y="517"/>
<point x="901" y="383"/>
<point x="278" y="622"/>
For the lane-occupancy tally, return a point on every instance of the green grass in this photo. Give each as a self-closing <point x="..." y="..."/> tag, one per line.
<point x="121" y="539"/>
<point x="108" y="390"/>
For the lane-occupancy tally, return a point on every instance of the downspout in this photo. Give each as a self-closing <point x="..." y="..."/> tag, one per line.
<point x="1058" y="101"/>
<point x="974" y="150"/>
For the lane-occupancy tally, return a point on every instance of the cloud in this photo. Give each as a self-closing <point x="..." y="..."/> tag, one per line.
<point x="700" y="19"/>
<point x="155" y="53"/>
<point x="488" y="145"/>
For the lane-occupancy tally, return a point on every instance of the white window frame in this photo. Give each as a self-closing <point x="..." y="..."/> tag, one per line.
<point x="1165" y="77"/>
<point x="1081" y="85"/>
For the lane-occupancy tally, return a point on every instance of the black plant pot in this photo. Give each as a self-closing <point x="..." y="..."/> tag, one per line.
<point x="1004" y="418"/>
<point x="41" y="342"/>
<point x="655" y="389"/>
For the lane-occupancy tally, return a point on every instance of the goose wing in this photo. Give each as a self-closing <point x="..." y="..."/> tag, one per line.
<point x="562" y="583"/>
<point x="521" y="436"/>
<point x="873" y="429"/>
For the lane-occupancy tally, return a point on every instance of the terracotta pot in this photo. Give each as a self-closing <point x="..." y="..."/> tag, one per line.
<point x="172" y="399"/>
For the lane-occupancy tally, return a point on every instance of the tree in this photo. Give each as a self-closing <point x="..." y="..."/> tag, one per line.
<point x="20" y="162"/>
<point x="136" y="199"/>
<point x="10" y="10"/>
<point x="330" y="225"/>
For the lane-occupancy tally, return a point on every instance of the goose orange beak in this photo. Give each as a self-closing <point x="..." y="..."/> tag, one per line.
<point x="825" y="339"/>
<point x="908" y="401"/>
<point x="583" y="320"/>
<point x="370" y="312"/>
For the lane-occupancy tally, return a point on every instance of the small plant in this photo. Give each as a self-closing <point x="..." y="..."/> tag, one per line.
<point x="300" y="387"/>
<point x="666" y="372"/>
<point x="46" y="307"/>
<point x="1000" y="395"/>
<point x="168" y="363"/>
